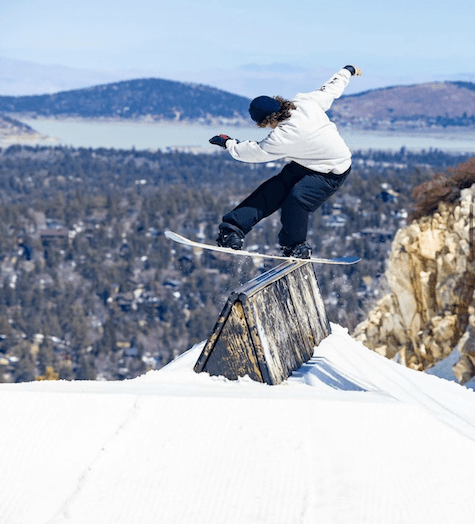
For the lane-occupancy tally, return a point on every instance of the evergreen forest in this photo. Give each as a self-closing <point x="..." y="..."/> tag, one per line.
<point x="92" y="290"/>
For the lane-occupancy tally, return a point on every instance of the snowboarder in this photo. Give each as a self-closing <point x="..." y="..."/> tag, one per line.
<point x="319" y="163"/>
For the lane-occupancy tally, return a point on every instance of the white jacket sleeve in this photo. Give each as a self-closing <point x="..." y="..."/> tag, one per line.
<point x="249" y="151"/>
<point x="332" y="89"/>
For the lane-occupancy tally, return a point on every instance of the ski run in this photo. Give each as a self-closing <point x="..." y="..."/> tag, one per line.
<point x="350" y="438"/>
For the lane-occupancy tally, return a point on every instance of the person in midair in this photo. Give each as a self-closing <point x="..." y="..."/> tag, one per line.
<point x="319" y="162"/>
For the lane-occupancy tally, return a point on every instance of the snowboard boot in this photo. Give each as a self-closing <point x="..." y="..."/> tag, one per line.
<point x="302" y="250"/>
<point x="230" y="236"/>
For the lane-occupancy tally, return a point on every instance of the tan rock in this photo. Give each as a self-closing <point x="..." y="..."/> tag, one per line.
<point x="431" y="305"/>
<point x="431" y="242"/>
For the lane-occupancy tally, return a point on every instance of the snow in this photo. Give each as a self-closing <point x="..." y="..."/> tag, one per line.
<point x="349" y="438"/>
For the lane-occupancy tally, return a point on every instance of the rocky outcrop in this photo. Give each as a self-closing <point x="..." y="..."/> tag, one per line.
<point x="430" y="308"/>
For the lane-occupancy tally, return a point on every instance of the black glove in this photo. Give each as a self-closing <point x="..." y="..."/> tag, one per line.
<point x="220" y="140"/>
<point x="353" y="70"/>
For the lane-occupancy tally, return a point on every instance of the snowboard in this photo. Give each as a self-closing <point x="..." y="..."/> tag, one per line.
<point x="343" y="261"/>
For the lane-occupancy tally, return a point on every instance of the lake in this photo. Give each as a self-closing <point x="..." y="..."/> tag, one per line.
<point x="128" y="135"/>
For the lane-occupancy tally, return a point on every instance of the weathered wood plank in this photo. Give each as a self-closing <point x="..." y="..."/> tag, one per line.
<point x="313" y="321"/>
<point x="233" y="354"/>
<point x="277" y="323"/>
<point x="213" y="338"/>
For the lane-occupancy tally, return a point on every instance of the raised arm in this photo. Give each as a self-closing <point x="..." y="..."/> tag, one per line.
<point x="334" y="87"/>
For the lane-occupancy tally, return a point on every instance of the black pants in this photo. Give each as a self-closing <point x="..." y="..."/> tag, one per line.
<point x="297" y="192"/>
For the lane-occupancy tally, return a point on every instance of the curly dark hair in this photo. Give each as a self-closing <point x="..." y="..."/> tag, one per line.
<point x="279" y="116"/>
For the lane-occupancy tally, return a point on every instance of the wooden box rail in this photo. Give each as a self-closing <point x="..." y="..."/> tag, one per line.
<point x="268" y="327"/>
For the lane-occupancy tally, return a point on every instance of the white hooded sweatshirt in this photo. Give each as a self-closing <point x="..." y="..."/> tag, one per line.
<point x="308" y="137"/>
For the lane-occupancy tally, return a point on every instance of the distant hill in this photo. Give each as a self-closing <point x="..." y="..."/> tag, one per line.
<point x="434" y="104"/>
<point x="10" y="125"/>
<point x="146" y="99"/>
<point x="420" y="106"/>
<point x="13" y="131"/>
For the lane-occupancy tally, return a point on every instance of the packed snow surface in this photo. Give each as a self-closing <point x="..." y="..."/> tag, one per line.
<point x="349" y="438"/>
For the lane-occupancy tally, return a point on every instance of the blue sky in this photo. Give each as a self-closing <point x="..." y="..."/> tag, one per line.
<point x="229" y="41"/>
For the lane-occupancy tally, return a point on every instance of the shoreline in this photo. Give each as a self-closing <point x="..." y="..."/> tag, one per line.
<point x="145" y="121"/>
<point x="409" y="131"/>
<point x="119" y="133"/>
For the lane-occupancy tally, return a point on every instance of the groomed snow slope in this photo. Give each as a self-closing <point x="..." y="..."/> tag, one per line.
<point x="351" y="438"/>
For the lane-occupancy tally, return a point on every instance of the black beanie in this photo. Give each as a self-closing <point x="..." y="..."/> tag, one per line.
<point x="263" y="106"/>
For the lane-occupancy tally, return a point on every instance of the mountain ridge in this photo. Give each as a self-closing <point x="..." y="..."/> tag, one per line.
<point x="416" y="106"/>
<point x="151" y="99"/>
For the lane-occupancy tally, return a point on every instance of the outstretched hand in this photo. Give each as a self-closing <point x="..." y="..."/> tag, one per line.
<point x="353" y="70"/>
<point x="220" y="140"/>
